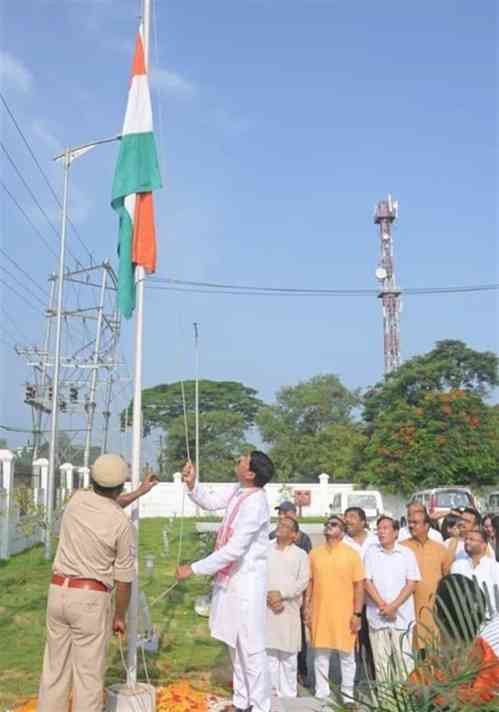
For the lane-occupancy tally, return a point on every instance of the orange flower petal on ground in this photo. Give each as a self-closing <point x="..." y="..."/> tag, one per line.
<point x="181" y="697"/>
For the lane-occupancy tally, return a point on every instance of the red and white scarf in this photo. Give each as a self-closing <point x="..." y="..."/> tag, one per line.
<point x="225" y="533"/>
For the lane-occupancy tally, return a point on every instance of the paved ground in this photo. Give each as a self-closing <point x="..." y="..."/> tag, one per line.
<point x="298" y="704"/>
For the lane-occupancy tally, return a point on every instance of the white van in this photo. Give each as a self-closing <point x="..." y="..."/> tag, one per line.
<point x="370" y="501"/>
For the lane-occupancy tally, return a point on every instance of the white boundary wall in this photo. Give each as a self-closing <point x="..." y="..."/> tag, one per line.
<point x="165" y="500"/>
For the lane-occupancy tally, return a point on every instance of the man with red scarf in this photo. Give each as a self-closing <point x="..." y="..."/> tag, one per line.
<point x="239" y="565"/>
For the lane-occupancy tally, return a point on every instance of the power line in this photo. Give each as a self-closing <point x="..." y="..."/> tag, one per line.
<point x="11" y="320"/>
<point x="44" y="175"/>
<point x="170" y="284"/>
<point x="21" y="296"/>
<point x="24" y="213"/>
<point x="35" y="199"/>
<point x="23" y="286"/>
<point x="43" y="291"/>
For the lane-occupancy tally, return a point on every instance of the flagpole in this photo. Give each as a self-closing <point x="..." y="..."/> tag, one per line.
<point x="133" y="609"/>
<point x="49" y="499"/>
<point x="196" y="407"/>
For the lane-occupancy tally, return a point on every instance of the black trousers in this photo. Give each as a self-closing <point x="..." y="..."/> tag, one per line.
<point x="302" y="655"/>
<point x="364" y="654"/>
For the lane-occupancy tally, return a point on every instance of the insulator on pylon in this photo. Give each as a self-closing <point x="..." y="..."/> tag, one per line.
<point x="29" y="393"/>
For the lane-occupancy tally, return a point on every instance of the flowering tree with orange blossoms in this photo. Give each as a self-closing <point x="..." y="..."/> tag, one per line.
<point x="447" y="438"/>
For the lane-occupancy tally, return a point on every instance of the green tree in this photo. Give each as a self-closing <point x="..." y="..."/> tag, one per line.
<point x="311" y="430"/>
<point x="227" y="411"/>
<point x="450" y="365"/>
<point x="446" y="438"/>
<point x="162" y="404"/>
<point x="221" y="440"/>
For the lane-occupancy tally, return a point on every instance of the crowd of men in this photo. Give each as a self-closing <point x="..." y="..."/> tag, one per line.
<point x="366" y="596"/>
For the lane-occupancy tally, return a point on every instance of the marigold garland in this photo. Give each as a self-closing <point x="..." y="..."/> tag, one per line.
<point x="180" y="696"/>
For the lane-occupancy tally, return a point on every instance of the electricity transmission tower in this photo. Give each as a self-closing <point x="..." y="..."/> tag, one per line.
<point x="386" y="212"/>
<point x="89" y="362"/>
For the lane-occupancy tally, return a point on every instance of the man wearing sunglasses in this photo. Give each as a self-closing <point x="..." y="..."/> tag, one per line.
<point x="333" y="608"/>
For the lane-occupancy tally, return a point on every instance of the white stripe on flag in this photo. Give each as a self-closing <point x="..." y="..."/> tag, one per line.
<point x="138" y="117"/>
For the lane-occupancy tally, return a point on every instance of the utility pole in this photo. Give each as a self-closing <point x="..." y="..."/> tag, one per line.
<point x="38" y="411"/>
<point x="385" y="214"/>
<point x="91" y="404"/>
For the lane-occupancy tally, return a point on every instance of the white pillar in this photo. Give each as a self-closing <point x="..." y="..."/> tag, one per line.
<point x="6" y="487"/>
<point x="84" y="477"/>
<point x="67" y="480"/>
<point x="324" y="490"/>
<point x="179" y="491"/>
<point x="43" y="464"/>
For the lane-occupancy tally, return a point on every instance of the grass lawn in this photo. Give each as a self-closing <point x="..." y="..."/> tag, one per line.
<point x="186" y="649"/>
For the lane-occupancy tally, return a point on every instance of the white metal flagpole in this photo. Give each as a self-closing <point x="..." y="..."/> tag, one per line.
<point x="196" y="407"/>
<point x="57" y="365"/>
<point x="133" y="609"/>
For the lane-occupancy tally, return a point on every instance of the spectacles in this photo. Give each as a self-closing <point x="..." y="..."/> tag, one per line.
<point x="331" y="525"/>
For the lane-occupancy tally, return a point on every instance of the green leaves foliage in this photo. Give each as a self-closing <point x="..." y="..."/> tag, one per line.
<point x="311" y="429"/>
<point x="447" y="438"/>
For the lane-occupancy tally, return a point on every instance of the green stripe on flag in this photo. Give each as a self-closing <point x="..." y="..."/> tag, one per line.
<point x="137" y="171"/>
<point x="126" y="270"/>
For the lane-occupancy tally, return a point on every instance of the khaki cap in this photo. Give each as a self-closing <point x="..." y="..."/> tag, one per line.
<point x="109" y="470"/>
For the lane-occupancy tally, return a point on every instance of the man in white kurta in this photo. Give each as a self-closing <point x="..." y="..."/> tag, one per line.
<point x="239" y="564"/>
<point x="288" y="577"/>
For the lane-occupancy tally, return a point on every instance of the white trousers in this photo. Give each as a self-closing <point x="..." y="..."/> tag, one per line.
<point x="251" y="679"/>
<point x="283" y="672"/>
<point x="392" y="653"/>
<point x="322" y="657"/>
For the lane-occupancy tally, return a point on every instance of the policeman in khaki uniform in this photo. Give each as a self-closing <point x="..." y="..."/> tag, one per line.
<point x="96" y="551"/>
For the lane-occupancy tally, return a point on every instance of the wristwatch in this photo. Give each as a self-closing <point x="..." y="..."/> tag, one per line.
<point x="356" y="613"/>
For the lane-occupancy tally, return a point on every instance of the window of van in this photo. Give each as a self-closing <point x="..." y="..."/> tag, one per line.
<point x="451" y="499"/>
<point x="494" y="500"/>
<point x="366" y="501"/>
<point x="336" y="506"/>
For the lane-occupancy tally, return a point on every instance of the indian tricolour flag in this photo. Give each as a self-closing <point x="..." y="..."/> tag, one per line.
<point x="136" y="176"/>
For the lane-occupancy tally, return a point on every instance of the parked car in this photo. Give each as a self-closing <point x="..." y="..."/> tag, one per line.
<point x="492" y="503"/>
<point x="440" y="499"/>
<point x="371" y="502"/>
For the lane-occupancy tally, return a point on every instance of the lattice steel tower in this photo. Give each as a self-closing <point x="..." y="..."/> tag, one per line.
<point x="385" y="214"/>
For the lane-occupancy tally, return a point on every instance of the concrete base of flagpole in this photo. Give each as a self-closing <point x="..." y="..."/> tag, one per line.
<point x="121" y="698"/>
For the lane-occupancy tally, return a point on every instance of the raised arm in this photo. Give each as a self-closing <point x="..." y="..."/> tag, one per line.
<point x="146" y="486"/>
<point x="200" y="495"/>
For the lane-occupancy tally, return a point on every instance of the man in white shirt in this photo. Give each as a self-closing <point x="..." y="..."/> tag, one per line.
<point x="288" y="577"/>
<point x="476" y="564"/>
<point x="239" y="563"/>
<point x="404" y="532"/>
<point x="357" y="533"/>
<point x="391" y="576"/>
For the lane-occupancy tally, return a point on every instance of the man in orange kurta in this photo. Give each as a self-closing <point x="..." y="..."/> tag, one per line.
<point x="333" y="607"/>
<point x="434" y="562"/>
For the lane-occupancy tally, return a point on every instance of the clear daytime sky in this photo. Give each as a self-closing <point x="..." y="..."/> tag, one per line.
<point x="279" y="125"/>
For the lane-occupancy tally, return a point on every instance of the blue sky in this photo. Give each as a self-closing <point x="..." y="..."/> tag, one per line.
<point x="279" y="126"/>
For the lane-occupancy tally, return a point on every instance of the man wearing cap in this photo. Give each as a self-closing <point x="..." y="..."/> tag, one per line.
<point x="288" y="509"/>
<point x="96" y="550"/>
